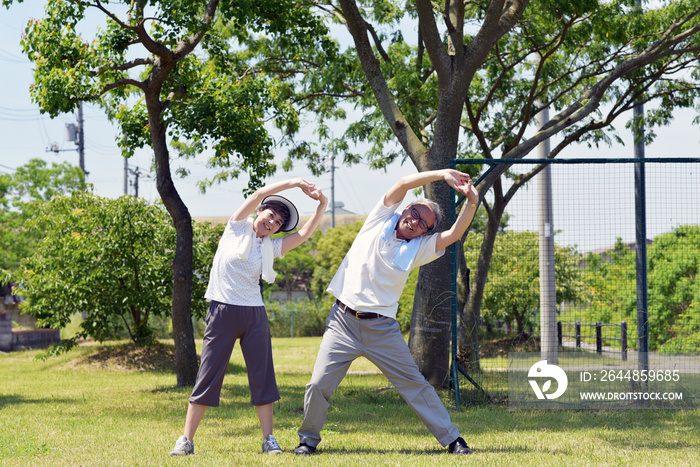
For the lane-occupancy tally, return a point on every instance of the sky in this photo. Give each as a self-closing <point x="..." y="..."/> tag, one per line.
<point x="26" y="133"/>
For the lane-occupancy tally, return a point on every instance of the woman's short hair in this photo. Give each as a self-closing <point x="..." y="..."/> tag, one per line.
<point x="433" y="207"/>
<point x="278" y="208"/>
<point x="283" y="207"/>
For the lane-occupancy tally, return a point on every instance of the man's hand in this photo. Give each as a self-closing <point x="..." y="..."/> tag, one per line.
<point x="462" y="183"/>
<point x="455" y="178"/>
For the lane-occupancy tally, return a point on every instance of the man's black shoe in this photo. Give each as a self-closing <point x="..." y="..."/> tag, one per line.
<point x="305" y="450"/>
<point x="457" y="446"/>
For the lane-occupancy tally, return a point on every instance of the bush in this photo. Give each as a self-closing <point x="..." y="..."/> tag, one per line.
<point x="299" y="318"/>
<point x="107" y="260"/>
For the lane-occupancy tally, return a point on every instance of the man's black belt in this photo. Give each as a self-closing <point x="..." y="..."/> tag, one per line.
<point x="356" y="314"/>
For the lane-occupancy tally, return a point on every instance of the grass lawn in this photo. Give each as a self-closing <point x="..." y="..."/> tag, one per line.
<point x="104" y="405"/>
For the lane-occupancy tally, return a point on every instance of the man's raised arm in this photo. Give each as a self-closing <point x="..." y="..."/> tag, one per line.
<point x="454" y="233"/>
<point x="454" y="178"/>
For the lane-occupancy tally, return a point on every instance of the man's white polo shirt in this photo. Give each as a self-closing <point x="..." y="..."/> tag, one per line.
<point x="367" y="280"/>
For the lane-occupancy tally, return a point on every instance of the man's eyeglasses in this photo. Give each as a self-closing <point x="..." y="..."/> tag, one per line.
<point x="421" y="223"/>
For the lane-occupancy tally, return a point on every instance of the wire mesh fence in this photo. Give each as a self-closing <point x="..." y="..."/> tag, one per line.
<point x="595" y="225"/>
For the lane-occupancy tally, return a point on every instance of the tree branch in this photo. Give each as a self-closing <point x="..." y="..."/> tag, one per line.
<point x="385" y="100"/>
<point x="185" y="47"/>
<point x="431" y="37"/>
<point x="132" y="64"/>
<point x="501" y="16"/>
<point x="123" y="82"/>
<point x="377" y="42"/>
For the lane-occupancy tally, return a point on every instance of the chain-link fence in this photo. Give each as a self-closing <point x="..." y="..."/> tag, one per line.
<point x="600" y="299"/>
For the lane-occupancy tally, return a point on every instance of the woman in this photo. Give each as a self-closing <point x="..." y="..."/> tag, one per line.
<point x="236" y="309"/>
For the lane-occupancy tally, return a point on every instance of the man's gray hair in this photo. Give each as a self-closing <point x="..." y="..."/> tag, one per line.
<point x="433" y="207"/>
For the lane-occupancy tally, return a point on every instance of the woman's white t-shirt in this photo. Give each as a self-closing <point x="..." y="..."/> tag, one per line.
<point x="232" y="280"/>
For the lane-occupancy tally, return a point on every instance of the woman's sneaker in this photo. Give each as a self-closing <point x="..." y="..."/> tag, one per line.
<point x="183" y="447"/>
<point x="270" y="446"/>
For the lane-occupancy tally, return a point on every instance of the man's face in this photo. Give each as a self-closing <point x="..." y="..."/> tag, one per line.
<point x="415" y="221"/>
<point x="267" y="222"/>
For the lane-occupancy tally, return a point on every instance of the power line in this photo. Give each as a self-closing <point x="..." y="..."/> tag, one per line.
<point x="12" y="118"/>
<point x="9" y="109"/>
<point x="7" y="56"/>
<point x="19" y="115"/>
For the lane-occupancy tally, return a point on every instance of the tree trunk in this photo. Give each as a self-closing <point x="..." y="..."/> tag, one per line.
<point x="468" y="322"/>
<point x="431" y="321"/>
<point x="183" y="332"/>
<point x="519" y="326"/>
<point x="468" y="356"/>
<point x="463" y="273"/>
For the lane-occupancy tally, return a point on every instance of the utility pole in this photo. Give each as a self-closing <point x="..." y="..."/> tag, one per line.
<point x="75" y="133"/>
<point x="641" y="240"/>
<point x="136" y="181"/>
<point x="137" y="173"/>
<point x="640" y="208"/>
<point x="333" y="188"/>
<point x="548" y="291"/>
<point x="332" y="170"/>
<point x="81" y="139"/>
<point x="126" y="176"/>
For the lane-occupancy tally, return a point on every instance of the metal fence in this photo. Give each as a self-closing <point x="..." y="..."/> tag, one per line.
<point x="581" y="341"/>
<point x="595" y="216"/>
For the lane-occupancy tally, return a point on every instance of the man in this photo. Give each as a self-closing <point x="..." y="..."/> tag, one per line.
<point x="367" y="286"/>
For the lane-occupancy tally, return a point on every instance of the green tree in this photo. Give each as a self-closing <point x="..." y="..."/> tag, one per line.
<point x="295" y="269"/>
<point x="673" y="259"/>
<point x="106" y="258"/>
<point x="512" y="291"/>
<point x="674" y="289"/>
<point x="472" y="81"/>
<point x="611" y="278"/>
<point x="330" y="251"/>
<point x="184" y="73"/>
<point x="21" y="195"/>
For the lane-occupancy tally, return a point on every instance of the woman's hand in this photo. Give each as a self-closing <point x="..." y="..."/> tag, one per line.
<point x="297" y="238"/>
<point x="317" y="194"/>
<point x="305" y="186"/>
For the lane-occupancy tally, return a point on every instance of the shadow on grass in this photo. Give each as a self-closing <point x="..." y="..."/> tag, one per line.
<point x="156" y="358"/>
<point x="363" y="403"/>
<point x="422" y="452"/>
<point x="232" y="369"/>
<point x="14" y="399"/>
<point x="493" y="420"/>
<point x="390" y="451"/>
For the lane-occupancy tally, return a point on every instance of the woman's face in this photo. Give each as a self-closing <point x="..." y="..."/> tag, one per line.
<point x="267" y="222"/>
